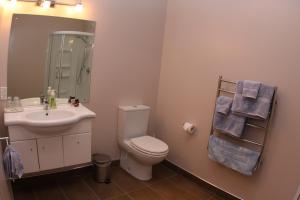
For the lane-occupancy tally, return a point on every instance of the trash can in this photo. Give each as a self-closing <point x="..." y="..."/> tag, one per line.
<point x="102" y="164"/>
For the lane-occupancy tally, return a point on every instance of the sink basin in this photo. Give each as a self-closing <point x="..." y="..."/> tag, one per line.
<point x="50" y="115"/>
<point x="36" y="117"/>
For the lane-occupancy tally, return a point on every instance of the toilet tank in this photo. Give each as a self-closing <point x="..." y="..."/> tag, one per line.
<point x="133" y="121"/>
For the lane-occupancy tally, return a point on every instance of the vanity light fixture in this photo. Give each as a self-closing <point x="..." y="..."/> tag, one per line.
<point x="10" y="4"/>
<point x="46" y="4"/>
<point x="78" y="6"/>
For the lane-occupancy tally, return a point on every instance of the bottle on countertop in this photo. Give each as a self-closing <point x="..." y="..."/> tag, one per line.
<point x="52" y="102"/>
<point x="48" y="94"/>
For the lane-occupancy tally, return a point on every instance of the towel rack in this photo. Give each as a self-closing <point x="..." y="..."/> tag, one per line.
<point x="6" y="139"/>
<point x="267" y="122"/>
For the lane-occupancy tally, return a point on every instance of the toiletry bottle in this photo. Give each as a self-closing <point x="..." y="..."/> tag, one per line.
<point x="52" y="101"/>
<point x="48" y="94"/>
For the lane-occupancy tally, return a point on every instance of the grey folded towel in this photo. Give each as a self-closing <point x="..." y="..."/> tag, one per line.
<point x="13" y="165"/>
<point x="223" y="105"/>
<point x="230" y="123"/>
<point x="238" y="158"/>
<point x="251" y="89"/>
<point x="253" y="108"/>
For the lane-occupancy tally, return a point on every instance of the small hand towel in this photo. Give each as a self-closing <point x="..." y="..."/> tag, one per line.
<point x="223" y="104"/>
<point x="12" y="163"/>
<point x="251" y="89"/>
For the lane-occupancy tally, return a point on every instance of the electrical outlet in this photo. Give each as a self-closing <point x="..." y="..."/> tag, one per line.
<point x="3" y="93"/>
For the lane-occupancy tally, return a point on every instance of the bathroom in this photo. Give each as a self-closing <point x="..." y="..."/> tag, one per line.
<point x="168" y="55"/>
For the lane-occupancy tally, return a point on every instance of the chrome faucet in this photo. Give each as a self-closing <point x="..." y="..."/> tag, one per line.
<point x="46" y="107"/>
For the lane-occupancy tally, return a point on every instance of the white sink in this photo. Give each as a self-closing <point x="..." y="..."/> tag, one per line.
<point x="35" y="116"/>
<point x="42" y="116"/>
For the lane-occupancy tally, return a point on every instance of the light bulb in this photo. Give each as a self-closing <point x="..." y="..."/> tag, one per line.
<point x="46" y="4"/>
<point x="79" y="7"/>
<point x="11" y="4"/>
<point x="2" y="3"/>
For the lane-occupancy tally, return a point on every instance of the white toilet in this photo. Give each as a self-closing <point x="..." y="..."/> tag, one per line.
<point x="138" y="150"/>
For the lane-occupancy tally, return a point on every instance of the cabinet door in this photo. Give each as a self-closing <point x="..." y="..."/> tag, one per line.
<point x="28" y="152"/>
<point x="77" y="149"/>
<point x="50" y="153"/>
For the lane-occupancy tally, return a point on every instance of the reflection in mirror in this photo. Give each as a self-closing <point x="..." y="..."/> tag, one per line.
<point x="50" y="51"/>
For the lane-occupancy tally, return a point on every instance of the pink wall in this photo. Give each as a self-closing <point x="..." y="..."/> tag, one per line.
<point x="256" y="40"/>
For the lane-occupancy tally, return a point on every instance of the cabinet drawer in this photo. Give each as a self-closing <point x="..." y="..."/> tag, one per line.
<point x="77" y="149"/>
<point x="28" y="152"/>
<point x="50" y="153"/>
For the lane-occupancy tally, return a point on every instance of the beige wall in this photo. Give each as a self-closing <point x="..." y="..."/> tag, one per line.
<point x="126" y="63"/>
<point x="256" y="40"/>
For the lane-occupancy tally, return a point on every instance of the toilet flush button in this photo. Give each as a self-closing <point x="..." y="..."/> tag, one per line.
<point x="3" y="93"/>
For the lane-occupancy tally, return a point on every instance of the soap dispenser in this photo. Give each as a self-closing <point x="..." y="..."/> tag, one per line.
<point x="52" y="102"/>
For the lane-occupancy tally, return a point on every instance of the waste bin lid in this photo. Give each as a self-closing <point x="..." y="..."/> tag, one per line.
<point x="101" y="158"/>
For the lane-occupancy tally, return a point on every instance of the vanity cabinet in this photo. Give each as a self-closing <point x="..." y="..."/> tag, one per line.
<point x="41" y="149"/>
<point x="75" y="149"/>
<point x="50" y="153"/>
<point x="28" y="152"/>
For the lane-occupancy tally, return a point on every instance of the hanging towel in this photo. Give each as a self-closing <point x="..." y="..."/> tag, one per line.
<point x="253" y="108"/>
<point x="230" y="123"/>
<point x="223" y="104"/>
<point x="238" y="158"/>
<point x="12" y="163"/>
<point x="251" y="89"/>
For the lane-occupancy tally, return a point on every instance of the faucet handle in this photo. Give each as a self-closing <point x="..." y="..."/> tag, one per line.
<point x="42" y="99"/>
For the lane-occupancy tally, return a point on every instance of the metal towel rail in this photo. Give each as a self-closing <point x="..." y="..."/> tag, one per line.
<point x="267" y="122"/>
<point x="6" y="139"/>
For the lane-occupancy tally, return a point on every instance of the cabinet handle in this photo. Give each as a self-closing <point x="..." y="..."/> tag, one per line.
<point x="78" y="142"/>
<point x="31" y="149"/>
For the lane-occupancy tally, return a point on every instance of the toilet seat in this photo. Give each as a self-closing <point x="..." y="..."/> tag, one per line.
<point x="149" y="145"/>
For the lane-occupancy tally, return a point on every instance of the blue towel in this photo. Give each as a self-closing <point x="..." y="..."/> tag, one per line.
<point x="253" y="108"/>
<point x="238" y="158"/>
<point x="230" y="123"/>
<point x="13" y="165"/>
<point x="223" y="104"/>
<point x="251" y="89"/>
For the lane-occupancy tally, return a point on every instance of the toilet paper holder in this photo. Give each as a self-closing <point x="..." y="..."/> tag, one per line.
<point x="189" y="127"/>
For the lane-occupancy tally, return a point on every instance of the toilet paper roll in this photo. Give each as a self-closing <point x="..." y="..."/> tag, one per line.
<point x="189" y="127"/>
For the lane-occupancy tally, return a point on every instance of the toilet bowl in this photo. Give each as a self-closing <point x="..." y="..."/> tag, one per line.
<point x="139" y="151"/>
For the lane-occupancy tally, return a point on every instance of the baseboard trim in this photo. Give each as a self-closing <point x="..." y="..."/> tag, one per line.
<point x="203" y="183"/>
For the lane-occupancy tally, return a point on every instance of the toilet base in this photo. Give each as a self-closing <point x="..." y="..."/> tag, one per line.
<point x="134" y="167"/>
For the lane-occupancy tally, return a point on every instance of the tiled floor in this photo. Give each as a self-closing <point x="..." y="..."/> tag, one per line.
<point x="79" y="185"/>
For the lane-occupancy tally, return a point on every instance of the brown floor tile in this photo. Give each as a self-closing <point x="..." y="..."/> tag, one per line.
<point x="189" y="186"/>
<point x="23" y="193"/>
<point x="125" y="181"/>
<point x="75" y="189"/>
<point x="145" y="194"/>
<point x="169" y="191"/>
<point x="103" y="190"/>
<point x="48" y="191"/>
<point x="159" y="172"/>
<point x="217" y="197"/>
<point x="80" y="185"/>
<point x="124" y="197"/>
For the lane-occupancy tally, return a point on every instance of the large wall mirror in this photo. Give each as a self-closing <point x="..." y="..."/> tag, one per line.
<point x="50" y="51"/>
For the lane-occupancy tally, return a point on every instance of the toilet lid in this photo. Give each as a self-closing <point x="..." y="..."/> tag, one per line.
<point x="150" y="145"/>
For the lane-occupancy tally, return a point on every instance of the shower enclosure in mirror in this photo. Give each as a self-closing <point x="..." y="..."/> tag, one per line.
<point x="50" y="51"/>
<point x="68" y="65"/>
